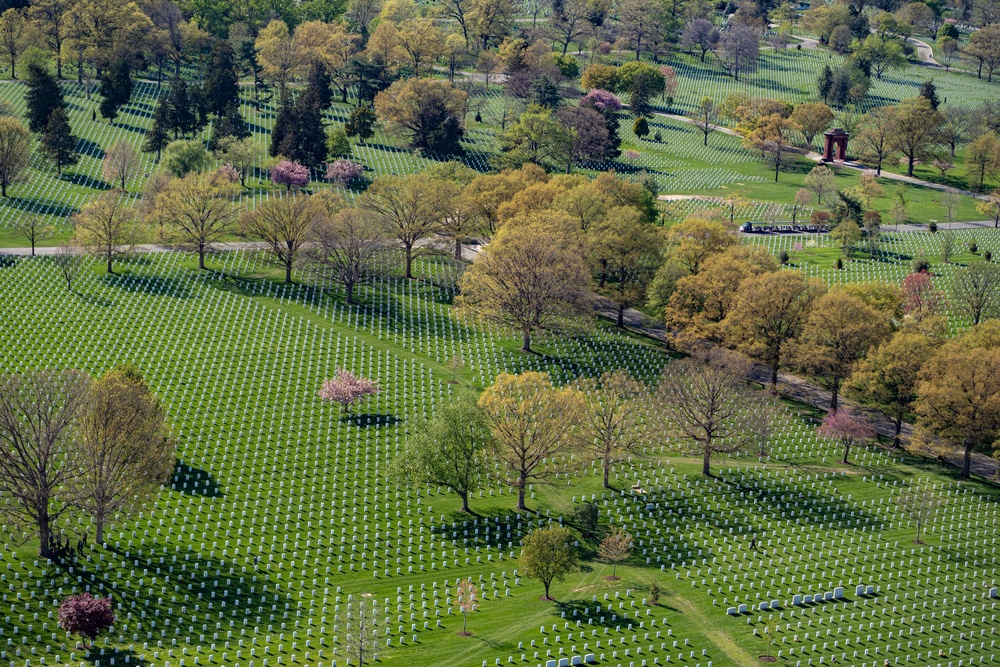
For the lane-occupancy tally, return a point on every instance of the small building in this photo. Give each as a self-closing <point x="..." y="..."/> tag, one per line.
<point x="835" y="139"/>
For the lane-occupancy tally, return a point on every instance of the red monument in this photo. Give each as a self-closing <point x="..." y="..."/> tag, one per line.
<point x="835" y="137"/>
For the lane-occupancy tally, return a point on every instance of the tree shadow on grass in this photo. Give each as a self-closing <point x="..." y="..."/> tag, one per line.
<point x="194" y="481"/>
<point x="586" y="611"/>
<point x="154" y="285"/>
<point x="367" y="420"/>
<point x="86" y="181"/>
<point x="120" y="656"/>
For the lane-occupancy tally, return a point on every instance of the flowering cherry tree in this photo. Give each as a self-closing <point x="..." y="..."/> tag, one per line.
<point x="86" y="616"/>
<point x="344" y="171"/>
<point x="921" y="299"/>
<point x="290" y="174"/>
<point x="847" y="428"/>
<point x="345" y="387"/>
<point x="601" y="100"/>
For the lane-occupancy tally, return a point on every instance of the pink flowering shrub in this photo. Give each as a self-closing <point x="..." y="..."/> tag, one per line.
<point x="847" y="428"/>
<point x="86" y="616"/>
<point x="602" y="101"/>
<point x="345" y="387"/>
<point x="290" y="174"/>
<point x="631" y="156"/>
<point x="344" y="171"/>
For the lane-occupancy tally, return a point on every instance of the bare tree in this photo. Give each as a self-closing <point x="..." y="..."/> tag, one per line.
<point x="703" y="399"/>
<point x="362" y="628"/>
<point x="614" y="420"/>
<point x="107" y="225"/>
<point x="616" y="547"/>
<point x="700" y="34"/>
<point x="124" y="447"/>
<point x="920" y="503"/>
<point x="32" y="228"/>
<point x="347" y="246"/>
<point x="120" y="163"/>
<point x="285" y="225"/>
<point x="69" y="259"/>
<point x="739" y="49"/>
<point x="975" y="291"/>
<point x="37" y="415"/>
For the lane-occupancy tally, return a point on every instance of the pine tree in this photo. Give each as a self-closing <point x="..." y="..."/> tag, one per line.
<point x="824" y="83"/>
<point x="361" y="124"/>
<point x="58" y="142"/>
<point x="230" y="124"/>
<point x="116" y="88"/>
<point x="319" y="80"/>
<point x="159" y="133"/>
<point x="182" y="113"/>
<point x="310" y="130"/>
<point x="283" y="125"/>
<point x="222" y="86"/>
<point x="929" y="92"/>
<point x="42" y="97"/>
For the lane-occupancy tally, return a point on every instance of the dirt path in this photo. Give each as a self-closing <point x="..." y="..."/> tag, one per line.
<point x="714" y="635"/>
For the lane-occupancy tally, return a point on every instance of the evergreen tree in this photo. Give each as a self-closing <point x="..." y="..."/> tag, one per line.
<point x="309" y="135"/>
<point x="319" y="80"/>
<point x="230" y="124"/>
<point x="182" y="113"/>
<point x="361" y="124"/>
<point x="283" y="124"/>
<point x="42" y="97"/>
<point x="824" y="83"/>
<point x="545" y="93"/>
<point x="929" y="92"/>
<point x="222" y="85"/>
<point x="116" y="88"/>
<point x="158" y="135"/>
<point x="58" y="142"/>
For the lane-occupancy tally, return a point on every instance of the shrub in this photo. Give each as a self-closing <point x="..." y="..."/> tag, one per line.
<point x="290" y="174"/>
<point x="921" y="265"/>
<point x="987" y="256"/>
<point x="932" y="228"/>
<point x="344" y="171"/>
<point x="658" y="137"/>
<point x="840" y="264"/>
<point x="973" y="247"/>
<point x="783" y="257"/>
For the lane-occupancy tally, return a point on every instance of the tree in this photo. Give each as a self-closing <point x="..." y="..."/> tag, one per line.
<point x="975" y="291"/>
<point x="222" y="86"/>
<point x="157" y="137"/>
<point x="616" y="547"/>
<point x="591" y="140"/>
<point x="51" y="17"/>
<point x="694" y="240"/>
<point x="958" y="398"/>
<point x="182" y="157"/>
<point x="116" y="88"/>
<point x="279" y="53"/>
<point x="914" y="130"/>
<point x="229" y="125"/>
<point x="42" y="97"/>
<point x="839" y="332"/>
<point x="539" y="138"/>
<point x="120" y="163"/>
<point x="421" y="40"/>
<point x="362" y="628"/>
<point x="984" y="47"/>
<point x="285" y="225"/>
<point x="242" y="154"/>
<point x="921" y="299"/>
<point x="86" y="616"/>
<point x="37" y="413"/>
<point x="875" y="142"/>
<point x="772" y="625"/>
<point x="982" y="159"/>
<point x="198" y="210"/>
<point x="771" y="310"/>
<point x="465" y="601"/>
<point x="450" y="449"/>
<point x="15" y="152"/>
<point x="990" y="205"/>
<point x="345" y="388"/>
<point x="409" y="206"/>
<point x="708" y="114"/>
<point x="881" y="54"/>
<point x="58" y="143"/>
<point x="181" y="109"/>
<point x="531" y="277"/>
<point x="822" y="181"/>
<point x="429" y="111"/>
<point x="347" y="246"/>
<point x="361" y="124"/>
<point x="739" y="49"/>
<point x="531" y="422"/>
<point x="33" y="229"/>
<point x="12" y="25"/>
<point x="812" y="119"/>
<point x="629" y="253"/>
<point x="643" y="82"/>
<point x="847" y="428"/>
<point x="848" y="234"/>
<point x="772" y="139"/>
<point x="702" y="35"/>
<point x="69" y="260"/>
<point x="702" y="398"/>
<point x="920" y="503"/>
<point x="614" y="423"/>
<point x="124" y="447"/>
<point x="106" y="225"/>
<point x="290" y="174"/>
<point x="569" y="21"/>
<point x="547" y="554"/>
<point x="586" y="517"/>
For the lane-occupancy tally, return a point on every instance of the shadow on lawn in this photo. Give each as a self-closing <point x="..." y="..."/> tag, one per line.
<point x="120" y="656"/>
<point x="194" y="481"/>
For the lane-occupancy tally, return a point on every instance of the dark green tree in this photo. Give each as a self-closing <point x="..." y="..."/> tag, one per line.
<point x="283" y="124"/>
<point x="182" y="112"/>
<point x="824" y="83"/>
<point x="230" y="124"/>
<point x="309" y="133"/>
<point x="929" y="92"/>
<point x="222" y="84"/>
<point x="545" y="93"/>
<point x="116" y="88"/>
<point x="58" y="143"/>
<point x="158" y="135"/>
<point x="319" y="80"/>
<point x="361" y="124"/>
<point x="640" y="128"/>
<point x="369" y="77"/>
<point x="42" y="97"/>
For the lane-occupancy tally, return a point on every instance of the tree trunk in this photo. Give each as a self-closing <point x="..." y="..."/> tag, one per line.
<point x="607" y="471"/>
<point x="909" y="165"/>
<point x="3" y="189"/>
<point x="458" y="249"/>
<point x="43" y="538"/>
<point x="100" y="530"/>
<point x="526" y="342"/>
<point x="967" y="461"/>
<point x="520" y="498"/>
<point x="110" y="268"/>
<point x="464" y="495"/>
<point x="349" y="288"/>
<point x="621" y="316"/>
<point x="409" y="262"/>
<point x="777" y="167"/>
<point x="774" y="372"/>
<point x="201" y="257"/>
<point x="706" y="462"/>
<point x="288" y="273"/>
<point x="899" y="428"/>
<point x="834" y="394"/>
<point x="547" y="583"/>
<point x="847" y="450"/>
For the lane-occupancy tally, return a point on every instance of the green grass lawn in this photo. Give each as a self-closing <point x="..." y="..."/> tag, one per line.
<point x="264" y="469"/>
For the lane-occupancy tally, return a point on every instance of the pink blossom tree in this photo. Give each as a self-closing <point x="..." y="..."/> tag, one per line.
<point x="670" y="81"/>
<point x="344" y="171"/>
<point x="921" y="299"/>
<point x="345" y="387"/>
<point x="847" y="428"/>
<point x="602" y="101"/>
<point x="86" y="616"/>
<point x="290" y="174"/>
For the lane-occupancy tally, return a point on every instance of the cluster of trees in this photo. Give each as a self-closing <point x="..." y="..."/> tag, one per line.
<point x="72" y="444"/>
